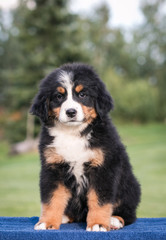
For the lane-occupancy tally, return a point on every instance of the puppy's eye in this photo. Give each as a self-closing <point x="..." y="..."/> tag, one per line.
<point x="82" y="95"/>
<point x="59" y="97"/>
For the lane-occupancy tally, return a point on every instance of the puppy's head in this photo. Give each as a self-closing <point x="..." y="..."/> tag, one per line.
<point x="73" y="94"/>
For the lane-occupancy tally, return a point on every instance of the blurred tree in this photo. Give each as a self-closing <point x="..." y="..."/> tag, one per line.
<point x="11" y="57"/>
<point x="9" y="61"/>
<point x="107" y="44"/>
<point x="149" y="49"/>
<point x="98" y="36"/>
<point x="42" y="36"/>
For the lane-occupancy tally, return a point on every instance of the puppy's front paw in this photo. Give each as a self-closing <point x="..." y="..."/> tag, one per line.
<point x="40" y="226"/>
<point x="46" y="225"/>
<point x="96" y="228"/>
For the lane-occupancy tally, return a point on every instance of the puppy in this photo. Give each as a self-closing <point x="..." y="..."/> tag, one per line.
<point x="85" y="170"/>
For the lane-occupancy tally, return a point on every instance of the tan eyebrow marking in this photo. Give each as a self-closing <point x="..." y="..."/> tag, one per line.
<point x="79" y="88"/>
<point x="61" y="90"/>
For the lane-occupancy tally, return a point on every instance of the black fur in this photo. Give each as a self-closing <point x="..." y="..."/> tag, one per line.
<point x="114" y="181"/>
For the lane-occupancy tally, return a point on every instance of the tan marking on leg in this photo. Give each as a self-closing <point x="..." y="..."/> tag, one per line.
<point x="79" y="88"/>
<point x="90" y="113"/>
<point x="52" y="156"/>
<point x="98" y="158"/>
<point x="61" y="90"/>
<point x="53" y="211"/>
<point x="98" y="214"/>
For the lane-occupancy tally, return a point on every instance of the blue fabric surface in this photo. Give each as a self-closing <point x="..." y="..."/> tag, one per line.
<point x="22" y="228"/>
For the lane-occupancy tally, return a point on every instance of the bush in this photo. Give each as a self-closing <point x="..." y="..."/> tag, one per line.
<point x="133" y="100"/>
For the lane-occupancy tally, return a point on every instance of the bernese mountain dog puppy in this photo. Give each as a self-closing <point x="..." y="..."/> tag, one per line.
<point x="85" y="170"/>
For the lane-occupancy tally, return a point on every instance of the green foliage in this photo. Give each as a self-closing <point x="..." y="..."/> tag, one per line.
<point x="15" y="130"/>
<point x="136" y="101"/>
<point x="149" y="47"/>
<point x="50" y="36"/>
<point x="106" y="45"/>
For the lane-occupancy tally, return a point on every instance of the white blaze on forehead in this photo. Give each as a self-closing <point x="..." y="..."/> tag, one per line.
<point x="66" y="81"/>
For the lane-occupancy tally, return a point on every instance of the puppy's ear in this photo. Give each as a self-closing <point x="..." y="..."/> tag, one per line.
<point x="104" y="102"/>
<point x="40" y="106"/>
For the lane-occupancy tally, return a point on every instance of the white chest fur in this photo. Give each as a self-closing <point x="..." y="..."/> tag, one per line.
<point x="73" y="148"/>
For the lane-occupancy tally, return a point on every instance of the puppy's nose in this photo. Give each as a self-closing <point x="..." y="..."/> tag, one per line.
<point x="71" y="112"/>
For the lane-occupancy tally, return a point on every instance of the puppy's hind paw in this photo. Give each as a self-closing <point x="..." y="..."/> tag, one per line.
<point x="116" y="223"/>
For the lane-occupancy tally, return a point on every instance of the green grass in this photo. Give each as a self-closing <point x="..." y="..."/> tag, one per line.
<point x="146" y="145"/>
<point x="19" y="191"/>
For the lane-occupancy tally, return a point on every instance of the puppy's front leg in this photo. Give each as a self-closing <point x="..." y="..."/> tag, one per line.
<point x="52" y="212"/>
<point x="98" y="218"/>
